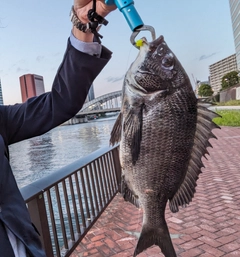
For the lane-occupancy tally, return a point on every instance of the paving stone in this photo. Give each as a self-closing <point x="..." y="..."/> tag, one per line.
<point x="206" y="255"/>
<point x="210" y="241"/>
<point x="212" y="250"/>
<point x="191" y="253"/>
<point x="175" y="220"/>
<point x="230" y="247"/>
<point x="97" y="238"/>
<point x="233" y="254"/>
<point x="208" y="234"/>
<point x="227" y="239"/>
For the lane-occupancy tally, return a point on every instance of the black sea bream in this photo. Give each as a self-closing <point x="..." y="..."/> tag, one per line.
<point x="163" y="130"/>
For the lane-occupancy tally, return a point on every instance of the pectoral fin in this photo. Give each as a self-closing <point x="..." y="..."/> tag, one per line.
<point x="116" y="131"/>
<point x="133" y="129"/>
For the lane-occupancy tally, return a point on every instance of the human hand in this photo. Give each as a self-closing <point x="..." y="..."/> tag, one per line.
<point x="82" y="7"/>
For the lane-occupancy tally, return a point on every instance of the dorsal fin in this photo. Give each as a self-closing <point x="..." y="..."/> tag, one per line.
<point x="132" y="127"/>
<point x="203" y="133"/>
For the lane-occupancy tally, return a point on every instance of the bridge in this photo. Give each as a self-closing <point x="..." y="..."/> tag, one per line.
<point x="97" y="111"/>
<point x="107" y="103"/>
<point x="104" y="102"/>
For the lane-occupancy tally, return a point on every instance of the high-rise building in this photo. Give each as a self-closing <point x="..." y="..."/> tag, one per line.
<point x="235" y="16"/>
<point x="219" y="69"/>
<point x="31" y="85"/>
<point x="90" y="95"/>
<point x="1" y="96"/>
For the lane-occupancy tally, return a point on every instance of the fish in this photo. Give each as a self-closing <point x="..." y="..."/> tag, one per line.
<point x="163" y="132"/>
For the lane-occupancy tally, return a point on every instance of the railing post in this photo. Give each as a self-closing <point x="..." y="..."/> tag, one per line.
<point x="37" y="210"/>
<point x="117" y="166"/>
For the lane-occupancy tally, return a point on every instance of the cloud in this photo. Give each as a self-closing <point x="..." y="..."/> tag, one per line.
<point x="39" y="58"/>
<point x="114" y="79"/>
<point x="57" y="54"/>
<point x="203" y="57"/>
<point x="17" y="67"/>
<point x="18" y="70"/>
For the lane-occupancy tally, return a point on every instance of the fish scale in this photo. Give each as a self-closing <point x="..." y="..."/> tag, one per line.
<point x="163" y="132"/>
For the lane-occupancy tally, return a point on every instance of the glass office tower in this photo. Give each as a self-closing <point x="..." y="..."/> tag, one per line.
<point x="1" y="96"/>
<point x="235" y="16"/>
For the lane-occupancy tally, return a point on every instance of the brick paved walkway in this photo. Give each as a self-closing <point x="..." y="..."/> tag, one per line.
<point x="208" y="227"/>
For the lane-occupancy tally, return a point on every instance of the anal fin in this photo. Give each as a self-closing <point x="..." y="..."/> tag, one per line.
<point x="128" y="194"/>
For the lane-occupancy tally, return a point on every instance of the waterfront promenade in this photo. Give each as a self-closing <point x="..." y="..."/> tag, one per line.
<point x="208" y="227"/>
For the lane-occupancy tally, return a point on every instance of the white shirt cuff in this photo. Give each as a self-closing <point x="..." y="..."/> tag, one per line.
<point x="92" y="48"/>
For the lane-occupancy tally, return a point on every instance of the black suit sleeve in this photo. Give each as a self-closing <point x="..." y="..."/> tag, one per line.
<point x="69" y="91"/>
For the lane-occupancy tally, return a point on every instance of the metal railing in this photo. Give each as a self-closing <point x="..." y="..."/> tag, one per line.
<point x="65" y="205"/>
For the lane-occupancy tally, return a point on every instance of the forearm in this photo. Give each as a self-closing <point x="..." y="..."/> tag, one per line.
<point x="75" y="76"/>
<point x="84" y="37"/>
<point x="82" y="62"/>
<point x="70" y="87"/>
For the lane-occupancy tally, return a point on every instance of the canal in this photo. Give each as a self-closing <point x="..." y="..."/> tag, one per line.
<point x="37" y="157"/>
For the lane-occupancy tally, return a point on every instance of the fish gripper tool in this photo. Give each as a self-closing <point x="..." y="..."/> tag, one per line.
<point x="133" y="19"/>
<point x="95" y="19"/>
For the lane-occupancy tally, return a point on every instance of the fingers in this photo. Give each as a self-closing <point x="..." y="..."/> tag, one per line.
<point x="81" y="3"/>
<point x="109" y="8"/>
<point x="83" y="6"/>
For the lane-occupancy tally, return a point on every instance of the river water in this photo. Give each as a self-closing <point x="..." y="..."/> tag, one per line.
<point x="37" y="157"/>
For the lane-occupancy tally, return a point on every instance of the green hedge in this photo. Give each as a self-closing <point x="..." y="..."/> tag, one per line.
<point x="229" y="118"/>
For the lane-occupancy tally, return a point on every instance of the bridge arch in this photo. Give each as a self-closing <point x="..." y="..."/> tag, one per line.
<point x="97" y="103"/>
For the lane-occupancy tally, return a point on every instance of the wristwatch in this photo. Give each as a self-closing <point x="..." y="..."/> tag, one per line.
<point x="84" y="27"/>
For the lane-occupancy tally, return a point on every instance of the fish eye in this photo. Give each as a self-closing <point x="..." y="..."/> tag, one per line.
<point x="160" y="51"/>
<point x="168" y="60"/>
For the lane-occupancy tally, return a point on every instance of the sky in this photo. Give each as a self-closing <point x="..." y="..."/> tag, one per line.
<point x="33" y="37"/>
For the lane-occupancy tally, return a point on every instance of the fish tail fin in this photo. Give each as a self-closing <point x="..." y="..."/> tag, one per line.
<point x="155" y="236"/>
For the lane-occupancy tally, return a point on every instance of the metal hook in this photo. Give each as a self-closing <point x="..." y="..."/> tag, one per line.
<point x="142" y="28"/>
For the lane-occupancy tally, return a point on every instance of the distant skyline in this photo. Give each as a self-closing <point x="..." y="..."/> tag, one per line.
<point x="33" y="37"/>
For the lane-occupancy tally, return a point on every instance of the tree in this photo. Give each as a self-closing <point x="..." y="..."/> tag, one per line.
<point x="205" y="90"/>
<point x="230" y="79"/>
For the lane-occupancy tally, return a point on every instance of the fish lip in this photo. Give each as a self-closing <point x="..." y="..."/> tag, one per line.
<point x="154" y="43"/>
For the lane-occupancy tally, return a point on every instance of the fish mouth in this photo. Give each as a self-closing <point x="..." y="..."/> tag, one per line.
<point x="154" y="43"/>
<point x="157" y="42"/>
